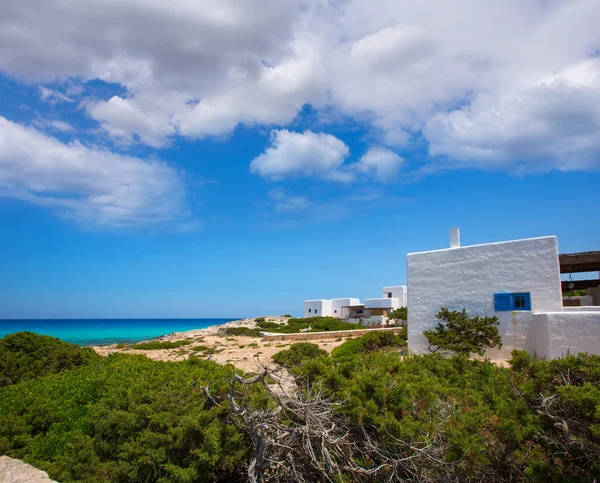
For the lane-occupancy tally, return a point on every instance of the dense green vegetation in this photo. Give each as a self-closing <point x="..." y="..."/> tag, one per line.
<point x="459" y="333"/>
<point x="126" y="418"/>
<point x="26" y="355"/>
<point x="486" y="423"/>
<point x="298" y="353"/>
<point x="372" y="342"/>
<point x="313" y="324"/>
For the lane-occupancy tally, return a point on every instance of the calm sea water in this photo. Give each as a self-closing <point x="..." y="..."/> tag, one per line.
<point x="105" y="331"/>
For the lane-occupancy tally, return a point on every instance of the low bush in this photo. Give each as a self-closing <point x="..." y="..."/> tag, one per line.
<point x="371" y="342"/>
<point x="25" y="355"/>
<point x="154" y="345"/>
<point x="243" y="331"/>
<point x="299" y="353"/>
<point x="125" y="419"/>
<point x="315" y="324"/>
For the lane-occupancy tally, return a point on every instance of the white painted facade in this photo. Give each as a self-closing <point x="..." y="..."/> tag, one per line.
<point x="398" y="292"/>
<point x="468" y="277"/>
<point x="554" y="334"/>
<point x="317" y="308"/>
<point x="339" y="307"/>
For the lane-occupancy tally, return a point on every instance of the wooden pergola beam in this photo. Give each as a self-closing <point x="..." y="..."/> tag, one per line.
<point x="579" y="262"/>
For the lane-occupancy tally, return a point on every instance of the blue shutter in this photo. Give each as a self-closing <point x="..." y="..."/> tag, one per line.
<point x="502" y="302"/>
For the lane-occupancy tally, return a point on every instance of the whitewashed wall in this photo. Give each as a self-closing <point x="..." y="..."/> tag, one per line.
<point x="382" y="303"/>
<point x="337" y="304"/>
<point x="468" y="277"/>
<point x="398" y="292"/>
<point x="318" y="308"/>
<point x="553" y="334"/>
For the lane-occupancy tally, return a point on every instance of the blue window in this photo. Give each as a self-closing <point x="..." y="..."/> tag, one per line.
<point x="512" y="301"/>
<point x="309" y="311"/>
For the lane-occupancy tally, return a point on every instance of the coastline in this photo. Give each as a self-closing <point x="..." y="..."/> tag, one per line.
<point x="244" y="352"/>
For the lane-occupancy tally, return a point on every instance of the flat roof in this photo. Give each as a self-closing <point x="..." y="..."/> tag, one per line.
<point x="484" y="244"/>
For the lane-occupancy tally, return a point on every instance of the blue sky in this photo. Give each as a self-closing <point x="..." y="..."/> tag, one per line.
<point x="229" y="160"/>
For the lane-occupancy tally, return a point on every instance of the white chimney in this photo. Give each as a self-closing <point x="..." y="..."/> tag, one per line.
<point x="454" y="238"/>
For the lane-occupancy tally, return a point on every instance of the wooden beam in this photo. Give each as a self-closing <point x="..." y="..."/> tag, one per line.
<point x="579" y="262"/>
<point x="579" y="284"/>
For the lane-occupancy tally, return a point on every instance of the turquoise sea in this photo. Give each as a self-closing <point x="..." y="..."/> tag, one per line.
<point x="105" y="331"/>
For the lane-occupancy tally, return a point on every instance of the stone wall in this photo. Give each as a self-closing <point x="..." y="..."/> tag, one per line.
<point x="325" y="335"/>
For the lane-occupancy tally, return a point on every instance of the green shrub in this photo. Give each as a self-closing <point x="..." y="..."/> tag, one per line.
<point x="243" y="331"/>
<point x="371" y="342"/>
<point x="125" y="419"/>
<point x="462" y="334"/>
<point x="258" y="320"/>
<point x="298" y="353"/>
<point x="26" y="355"/>
<point x="287" y="315"/>
<point x="154" y="345"/>
<point x="315" y="324"/>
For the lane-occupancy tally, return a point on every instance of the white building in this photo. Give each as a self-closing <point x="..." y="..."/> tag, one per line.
<point x="516" y="281"/>
<point x="317" y="308"/>
<point x="372" y="312"/>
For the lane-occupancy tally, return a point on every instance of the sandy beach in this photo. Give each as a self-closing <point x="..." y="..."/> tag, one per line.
<point x="244" y="352"/>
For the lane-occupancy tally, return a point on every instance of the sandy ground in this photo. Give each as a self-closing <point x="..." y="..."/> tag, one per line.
<point x="245" y="353"/>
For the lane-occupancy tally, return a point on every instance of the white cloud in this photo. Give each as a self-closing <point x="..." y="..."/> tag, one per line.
<point x="554" y="124"/>
<point x="286" y="203"/>
<point x="295" y="154"/>
<point x="53" y="96"/>
<point x="382" y="163"/>
<point x="200" y="68"/>
<point x="89" y="184"/>
<point x="53" y="125"/>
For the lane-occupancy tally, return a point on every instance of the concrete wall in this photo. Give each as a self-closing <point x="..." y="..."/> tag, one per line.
<point x="382" y="303"/>
<point x="398" y="292"/>
<point x="553" y="334"/>
<point x="468" y="277"/>
<point x="337" y="304"/>
<point x="318" y="308"/>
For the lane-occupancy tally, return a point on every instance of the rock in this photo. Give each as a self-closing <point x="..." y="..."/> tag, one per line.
<point x="15" y="471"/>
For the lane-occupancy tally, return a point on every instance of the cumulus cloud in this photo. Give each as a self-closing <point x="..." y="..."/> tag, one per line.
<point x="293" y="154"/>
<point x="554" y="124"/>
<point x="382" y="163"/>
<point x="200" y="68"/>
<point x="89" y="184"/>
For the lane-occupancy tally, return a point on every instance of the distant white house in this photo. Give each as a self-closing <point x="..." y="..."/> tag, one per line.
<point x="516" y="281"/>
<point x="372" y="312"/>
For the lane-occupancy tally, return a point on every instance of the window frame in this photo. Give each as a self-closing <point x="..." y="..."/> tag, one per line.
<point x="512" y="301"/>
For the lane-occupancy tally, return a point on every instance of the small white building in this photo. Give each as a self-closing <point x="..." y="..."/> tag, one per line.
<point x="317" y="308"/>
<point x="516" y="281"/>
<point x="372" y="312"/>
<point x="340" y="308"/>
